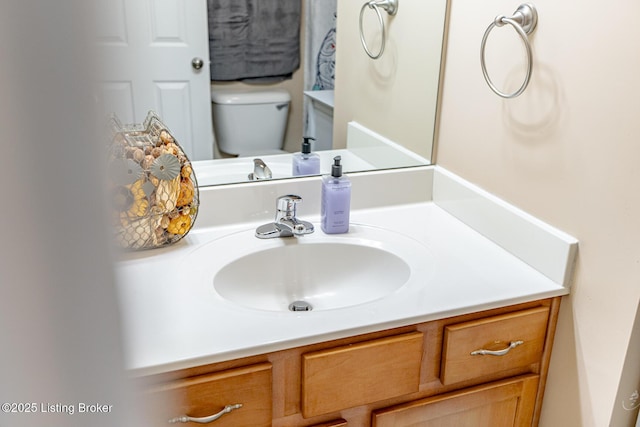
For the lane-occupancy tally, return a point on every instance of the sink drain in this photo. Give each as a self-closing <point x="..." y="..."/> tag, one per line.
<point x="300" y="306"/>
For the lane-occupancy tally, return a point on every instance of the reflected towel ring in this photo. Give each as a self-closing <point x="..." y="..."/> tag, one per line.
<point x="391" y="7"/>
<point x="524" y="21"/>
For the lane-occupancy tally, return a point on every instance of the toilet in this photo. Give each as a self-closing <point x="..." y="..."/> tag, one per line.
<point x="250" y="123"/>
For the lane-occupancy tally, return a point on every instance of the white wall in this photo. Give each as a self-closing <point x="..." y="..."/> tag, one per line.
<point x="394" y="95"/>
<point x="566" y="151"/>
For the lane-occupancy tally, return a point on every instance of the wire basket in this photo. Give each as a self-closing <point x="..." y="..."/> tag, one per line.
<point x="152" y="186"/>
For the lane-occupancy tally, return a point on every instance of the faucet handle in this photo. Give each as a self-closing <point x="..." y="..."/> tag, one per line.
<point x="286" y="205"/>
<point x="260" y="171"/>
<point x="286" y="224"/>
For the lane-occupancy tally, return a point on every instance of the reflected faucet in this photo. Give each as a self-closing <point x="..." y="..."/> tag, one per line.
<point x="260" y="171"/>
<point x="286" y="224"/>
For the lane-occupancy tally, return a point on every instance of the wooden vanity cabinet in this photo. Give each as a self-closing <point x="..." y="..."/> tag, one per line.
<point x="480" y="369"/>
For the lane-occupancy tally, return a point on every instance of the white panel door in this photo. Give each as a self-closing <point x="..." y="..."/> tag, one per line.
<point x="147" y="64"/>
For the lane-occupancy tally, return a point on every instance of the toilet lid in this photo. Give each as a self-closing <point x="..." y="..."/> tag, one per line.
<point x="249" y="97"/>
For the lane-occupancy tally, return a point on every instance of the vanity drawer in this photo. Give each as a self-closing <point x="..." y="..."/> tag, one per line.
<point x="506" y="403"/>
<point x="205" y="395"/>
<point x="358" y="374"/>
<point x="487" y="347"/>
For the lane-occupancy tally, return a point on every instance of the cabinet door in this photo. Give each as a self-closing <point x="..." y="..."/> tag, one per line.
<point x="358" y="374"/>
<point x="202" y="396"/>
<point x="508" y="403"/>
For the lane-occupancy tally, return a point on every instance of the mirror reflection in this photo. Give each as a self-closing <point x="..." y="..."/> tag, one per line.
<point x="245" y="125"/>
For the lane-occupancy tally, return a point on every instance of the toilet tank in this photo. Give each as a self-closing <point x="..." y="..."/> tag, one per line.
<point x="249" y="122"/>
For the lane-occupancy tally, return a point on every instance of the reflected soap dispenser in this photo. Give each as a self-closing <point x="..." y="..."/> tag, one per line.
<point x="336" y="200"/>
<point x="306" y="162"/>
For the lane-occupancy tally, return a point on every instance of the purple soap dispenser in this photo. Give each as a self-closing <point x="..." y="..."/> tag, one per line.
<point x="336" y="200"/>
<point x="306" y="162"/>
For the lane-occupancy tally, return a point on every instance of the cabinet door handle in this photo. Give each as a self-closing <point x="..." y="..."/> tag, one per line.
<point x="483" y="352"/>
<point x="205" y="420"/>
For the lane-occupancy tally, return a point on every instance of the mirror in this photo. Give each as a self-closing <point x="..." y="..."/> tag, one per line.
<point x="393" y="100"/>
<point x="385" y="110"/>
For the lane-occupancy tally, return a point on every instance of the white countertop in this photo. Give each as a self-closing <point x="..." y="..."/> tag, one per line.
<point x="169" y="326"/>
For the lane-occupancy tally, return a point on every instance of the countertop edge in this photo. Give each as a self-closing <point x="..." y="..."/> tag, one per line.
<point x="330" y="336"/>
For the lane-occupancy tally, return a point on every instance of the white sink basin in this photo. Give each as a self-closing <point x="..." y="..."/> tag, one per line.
<point x="323" y="271"/>
<point x="323" y="274"/>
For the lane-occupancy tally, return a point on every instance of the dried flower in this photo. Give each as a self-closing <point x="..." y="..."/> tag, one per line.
<point x="179" y="225"/>
<point x="166" y="137"/>
<point x="166" y="167"/>
<point x="138" y="155"/>
<point x="186" y="192"/>
<point x="147" y="162"/>
<point x="139" y="208"/>
<point x="186" y="171"/>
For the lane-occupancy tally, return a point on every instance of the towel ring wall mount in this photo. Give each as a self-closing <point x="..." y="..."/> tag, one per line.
<point x="524" y="21"/>
<point x="391" y="7"/>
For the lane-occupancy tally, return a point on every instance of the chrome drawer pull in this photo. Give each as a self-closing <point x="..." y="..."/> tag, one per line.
<point x="482" y="352"/>
<point x="205" y="420"/>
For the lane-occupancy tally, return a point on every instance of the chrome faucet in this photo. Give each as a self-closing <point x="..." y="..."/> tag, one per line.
<point x="260" y="171"/>
<point x="286" y="224"/>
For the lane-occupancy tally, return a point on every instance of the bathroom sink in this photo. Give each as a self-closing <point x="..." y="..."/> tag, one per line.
<point x="312" y="272"/>
<point x="323" y="274"/>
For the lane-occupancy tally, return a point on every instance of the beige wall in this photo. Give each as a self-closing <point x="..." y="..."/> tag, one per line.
<point x="568" y="152"/>
<point x="394" y="95"/>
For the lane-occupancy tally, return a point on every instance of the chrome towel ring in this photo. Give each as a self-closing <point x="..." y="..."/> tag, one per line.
<point x="524" y="21"/>
<point x="391" y="7"/>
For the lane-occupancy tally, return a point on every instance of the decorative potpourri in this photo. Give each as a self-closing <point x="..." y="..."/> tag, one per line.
<point x="152" y="186"/>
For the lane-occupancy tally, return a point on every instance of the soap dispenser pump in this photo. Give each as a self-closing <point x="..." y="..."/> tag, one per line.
<point x="336" y="200"/>
<point x="306" y="162"/>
